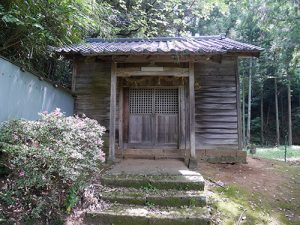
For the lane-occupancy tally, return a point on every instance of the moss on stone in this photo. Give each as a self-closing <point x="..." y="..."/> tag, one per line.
<point x="119" y="215"/>
<point x="158" y="182"/>
<point x="157" y="197"/>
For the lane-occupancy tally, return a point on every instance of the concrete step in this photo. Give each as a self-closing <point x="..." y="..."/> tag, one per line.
<point x="148" y="196"/>
<point x="189" y="181"/>
<point x="135" y="215"/>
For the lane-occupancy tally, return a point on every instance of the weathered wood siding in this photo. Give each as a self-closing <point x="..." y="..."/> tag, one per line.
<point x="92" y="90"/>
<point x="216" y="114"/>
<point x="216" y="105"/>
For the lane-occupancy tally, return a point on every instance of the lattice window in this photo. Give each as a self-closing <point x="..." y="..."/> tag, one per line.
<point x="166" y="101"/>
<point x="141" y="100"/>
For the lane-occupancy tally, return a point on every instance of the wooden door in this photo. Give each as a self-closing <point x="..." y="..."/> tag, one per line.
<point x="140" y="117"/>
<point x="166" y="117"/>
<point x="153" y="117"/>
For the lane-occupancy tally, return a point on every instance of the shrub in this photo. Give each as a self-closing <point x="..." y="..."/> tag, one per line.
<point x="50" y="162"/>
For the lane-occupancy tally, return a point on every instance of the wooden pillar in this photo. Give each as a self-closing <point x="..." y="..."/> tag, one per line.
<point x="74" y="73"/>
<point x="73" y="87"/>
<point x="193" y="160"/>
<point x="121" y="119"/>
<point x="238" y="105"/>
<point x="182" y="130"/>
<point x="112" y="115"/>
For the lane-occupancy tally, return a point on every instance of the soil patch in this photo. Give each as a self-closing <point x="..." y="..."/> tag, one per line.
<point x="257" y="175"/>
<point x="274" y="184"/>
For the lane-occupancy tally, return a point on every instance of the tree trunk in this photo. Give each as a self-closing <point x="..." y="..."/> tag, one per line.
<point x="268" y="114"/>
<point x="262" y="116"/>
<point x="249" y="104"/>
<point x="299" y="100"/>
<point x="282" y="119"/>
<point x="276" y="113"/>
<point x="290" y="139"/>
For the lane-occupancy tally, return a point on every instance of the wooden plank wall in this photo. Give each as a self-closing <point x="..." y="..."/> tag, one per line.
<point x="92" y="90"/>
<point x="216" y="105"/>
<point x="215" y="97"/>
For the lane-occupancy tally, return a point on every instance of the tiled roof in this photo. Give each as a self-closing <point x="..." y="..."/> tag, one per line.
<point x="202" y="45"/>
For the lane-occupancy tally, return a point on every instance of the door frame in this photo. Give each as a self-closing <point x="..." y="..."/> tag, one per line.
<point x="124" y="112"/>
<point x="189" y="97"/>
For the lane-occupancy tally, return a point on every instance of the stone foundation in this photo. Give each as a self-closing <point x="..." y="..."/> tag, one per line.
<point x="209" y="155"/>
<point x="222" y="156"/>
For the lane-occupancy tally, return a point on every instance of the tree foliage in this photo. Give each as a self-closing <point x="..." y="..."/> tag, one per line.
<point x="29" y="27"/>
<point x="144" y="18"/>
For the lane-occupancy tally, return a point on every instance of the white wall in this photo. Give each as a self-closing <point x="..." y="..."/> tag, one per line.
<point x="24" y="95"/>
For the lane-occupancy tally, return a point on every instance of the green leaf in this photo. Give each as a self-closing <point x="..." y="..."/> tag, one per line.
<point x="38" y="26"/>
<point x="11" y="19"/>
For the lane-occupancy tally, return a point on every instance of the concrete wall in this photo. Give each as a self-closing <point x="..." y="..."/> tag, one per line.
<point x="24" y="95"/>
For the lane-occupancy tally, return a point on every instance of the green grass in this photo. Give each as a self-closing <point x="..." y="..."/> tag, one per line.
<point x="233" y="200"/>
<point x="278" y="152"/>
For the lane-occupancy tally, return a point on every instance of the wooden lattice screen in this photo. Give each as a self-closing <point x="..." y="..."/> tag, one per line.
<point x="153" y="100"/>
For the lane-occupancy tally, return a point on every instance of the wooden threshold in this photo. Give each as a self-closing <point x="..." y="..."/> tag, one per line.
<point x="151" y="154"/>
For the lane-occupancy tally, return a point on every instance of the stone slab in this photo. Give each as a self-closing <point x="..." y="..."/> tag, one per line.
<point x="161" y="174"/>
<point x="135" y="215"/>
<point x="151" y="167"/>
<point x="155" y="197"/>
<point x="178" y="182"/>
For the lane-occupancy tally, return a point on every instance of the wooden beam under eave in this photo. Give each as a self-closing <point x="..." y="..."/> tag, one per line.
<point x="155" y="58"/>
<point x="244" y="54"/>
<point x="167" y="71"/>
<point x="192" y="111"/>
<point x="112" y="115"/>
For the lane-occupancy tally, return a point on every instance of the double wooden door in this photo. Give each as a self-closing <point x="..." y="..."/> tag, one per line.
<point x="153" y="117"/>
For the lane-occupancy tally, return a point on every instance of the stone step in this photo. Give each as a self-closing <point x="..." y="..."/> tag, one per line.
<point x="151" y="154"/>
<point x="148" y="196"/>
<point x="179" y="182"/>
<point x="135" y="215"/>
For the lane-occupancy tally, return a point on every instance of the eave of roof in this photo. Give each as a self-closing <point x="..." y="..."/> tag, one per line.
<point x="203" y="45"/>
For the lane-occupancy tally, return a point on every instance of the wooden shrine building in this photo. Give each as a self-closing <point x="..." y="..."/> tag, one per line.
<point x="168" y="97"/>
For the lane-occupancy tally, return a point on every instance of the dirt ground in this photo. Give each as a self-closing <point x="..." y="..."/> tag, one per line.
<point x="267" y="185"/>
